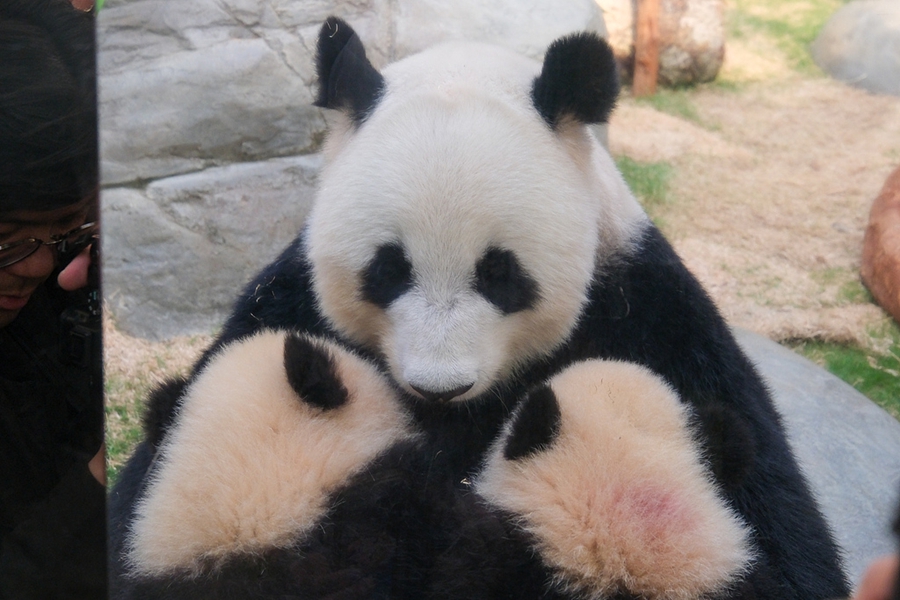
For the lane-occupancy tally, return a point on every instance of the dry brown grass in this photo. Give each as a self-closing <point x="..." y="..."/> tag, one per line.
<point x="132" y="367"/>
<point x="771" y="193"/>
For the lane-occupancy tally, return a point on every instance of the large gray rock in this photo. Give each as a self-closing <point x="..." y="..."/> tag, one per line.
<point x="691" y="32"/>
<point x="177" y="253"/>
<point x="848" y="447"/>
<point x="526" y="29"/>
<point x="860" y="45"/>
<point x="210" y="106"/>
<point x="692" y="41"/>
<point x="187" y="85"/>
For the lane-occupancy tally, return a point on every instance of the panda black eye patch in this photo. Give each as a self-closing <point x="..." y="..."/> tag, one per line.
<point x="502" y="280"/>
<point x="387" y="276"/>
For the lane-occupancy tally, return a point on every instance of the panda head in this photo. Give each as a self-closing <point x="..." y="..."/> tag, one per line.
<point x="601" y="472"/>
<point x="270" y="428"/>
<point x="464" y="205"/>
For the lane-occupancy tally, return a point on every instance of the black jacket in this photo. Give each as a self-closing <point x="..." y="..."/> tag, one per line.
<point x="52" y="511"/>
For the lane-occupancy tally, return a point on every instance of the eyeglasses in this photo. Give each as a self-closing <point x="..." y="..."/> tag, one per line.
<point x="68" y="245"/>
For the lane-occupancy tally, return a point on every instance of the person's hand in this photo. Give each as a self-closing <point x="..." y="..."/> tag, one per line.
<point x="75" y="275"/>
<point x="879" y="579"/>
<point x="97" y="465"/>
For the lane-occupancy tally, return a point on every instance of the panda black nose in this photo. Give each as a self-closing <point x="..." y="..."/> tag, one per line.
<point x="444" y="395"/>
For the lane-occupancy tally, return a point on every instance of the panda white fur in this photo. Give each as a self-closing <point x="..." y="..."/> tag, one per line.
<point x="613" y="491"/>
<point x="455" y="232"/>
<point x="256" y="487"/>
<point x="472" y="237"/>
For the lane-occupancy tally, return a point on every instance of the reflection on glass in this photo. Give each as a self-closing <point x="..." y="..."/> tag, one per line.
<point x="52" y="495"/>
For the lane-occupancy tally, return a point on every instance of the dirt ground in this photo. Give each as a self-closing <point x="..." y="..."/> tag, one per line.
<point x="771" y="191"/>
<point x="769" y="198"/>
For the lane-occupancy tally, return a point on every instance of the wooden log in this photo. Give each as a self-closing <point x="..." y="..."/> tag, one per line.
<point x="646" y="49"/>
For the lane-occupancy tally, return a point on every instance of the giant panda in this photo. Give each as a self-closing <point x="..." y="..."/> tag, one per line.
<point x="289" y="471"/>
<point x="602" y="493"/>
<point x="471" y="237"/>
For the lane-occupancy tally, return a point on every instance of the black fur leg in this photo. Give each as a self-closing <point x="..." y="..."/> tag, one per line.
<point x="162" y="404"/>
<point x="728" y="444"/>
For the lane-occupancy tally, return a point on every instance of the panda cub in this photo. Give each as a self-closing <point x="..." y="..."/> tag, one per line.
<point x="598" y="474"/>
<point x="281" y="476"/>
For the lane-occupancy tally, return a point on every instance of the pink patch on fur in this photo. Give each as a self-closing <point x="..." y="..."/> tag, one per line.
<point x="656" y="511"/>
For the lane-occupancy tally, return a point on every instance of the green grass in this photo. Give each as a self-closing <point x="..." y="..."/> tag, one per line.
<point x="123" y="422"/>
<point x="726" y="85"/>
<point x="854" y="292"/>
<point x="676" y="102"/>
<point x="132" y="370"/>
<point x="848" y="289"/>
<point x="648" y="181"/>
<point x="875" y="374"/>
<point x="792" y="25"/>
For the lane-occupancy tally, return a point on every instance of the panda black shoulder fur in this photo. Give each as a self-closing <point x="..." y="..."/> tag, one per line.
<point x="598" y="475"/>
<point x="290" y="472"/>
<point x="472" y="236"/>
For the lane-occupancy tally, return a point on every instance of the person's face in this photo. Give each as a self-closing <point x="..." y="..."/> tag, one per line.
<point x="19" y="280"/>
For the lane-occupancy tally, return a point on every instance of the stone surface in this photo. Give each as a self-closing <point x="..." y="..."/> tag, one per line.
<point x="526" y="29"/>
<point x="860" y="45"/>
<point x="187" y="85"/>
<point x="880" y="269"/>
<point x="848" y="447"/>
<point x="692" y="38"/>
<point x="620" y="17"/>
<point x="177" y="253"/>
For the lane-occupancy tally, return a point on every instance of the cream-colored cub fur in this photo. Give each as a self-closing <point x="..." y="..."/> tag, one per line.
<point x="250" y="465"/>
<point x="620" y="499"/>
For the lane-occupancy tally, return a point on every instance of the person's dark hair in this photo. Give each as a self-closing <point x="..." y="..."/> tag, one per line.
<point x="48" y="114"/>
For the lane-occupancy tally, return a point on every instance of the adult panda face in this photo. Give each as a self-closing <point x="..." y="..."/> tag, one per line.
<point x="459" y="218"/>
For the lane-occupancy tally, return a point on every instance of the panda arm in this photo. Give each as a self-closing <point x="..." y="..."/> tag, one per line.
<point x="120" y="508"/>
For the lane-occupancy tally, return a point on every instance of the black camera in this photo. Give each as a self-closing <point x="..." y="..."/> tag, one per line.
<point x="81" y="321"/>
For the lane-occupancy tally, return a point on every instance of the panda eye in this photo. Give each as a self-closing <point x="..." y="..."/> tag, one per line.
<point x="503" y="282"/>
<point x="387" y="276"/>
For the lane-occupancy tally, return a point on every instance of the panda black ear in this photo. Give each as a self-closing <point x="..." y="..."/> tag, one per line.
<point x="311" y="372"/>
<point x="535" y="425"/>
<point x="579" y="79"/>
<point x="347" y="80"/>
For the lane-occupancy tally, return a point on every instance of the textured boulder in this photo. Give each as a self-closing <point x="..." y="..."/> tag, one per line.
<point x="177" y="252"/>
<point x="423" y="23"/>
<point x="188" y="85"/>
<point x="860" y="45"/>
<point x="692" y="38"/>
<point x="880" y="268"/>
<point x="847" y="446"/>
